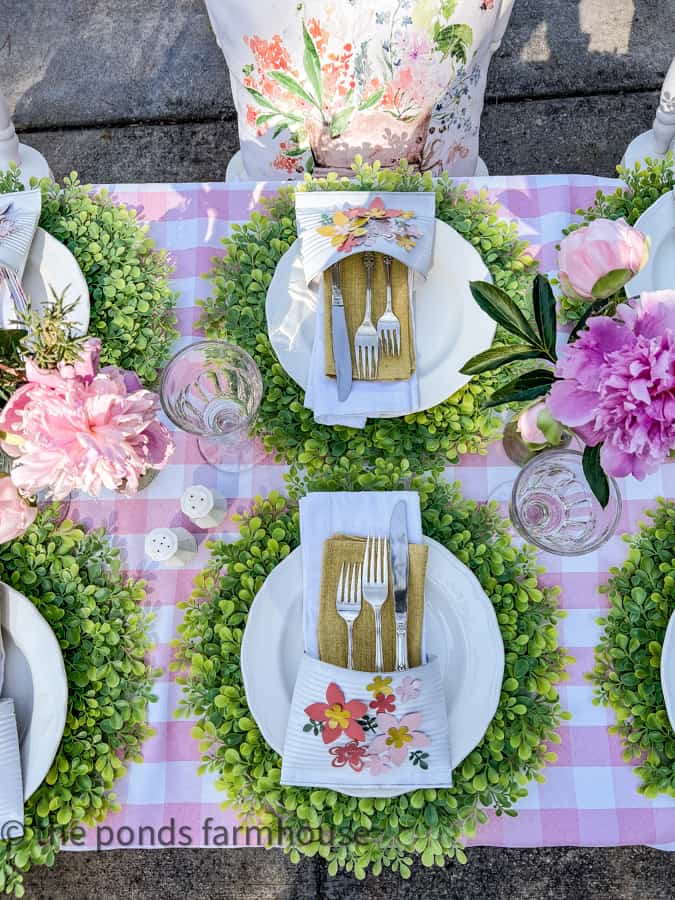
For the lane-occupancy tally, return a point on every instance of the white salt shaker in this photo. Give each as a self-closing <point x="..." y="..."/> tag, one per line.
<point x="174" y="547"/>
<point x="201" y="505"/>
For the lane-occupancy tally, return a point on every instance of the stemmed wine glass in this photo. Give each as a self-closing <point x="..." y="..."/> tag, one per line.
<point x="213" y="389"/>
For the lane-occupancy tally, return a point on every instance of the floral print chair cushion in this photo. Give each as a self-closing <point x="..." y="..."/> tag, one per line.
<point x="318" y="82"/>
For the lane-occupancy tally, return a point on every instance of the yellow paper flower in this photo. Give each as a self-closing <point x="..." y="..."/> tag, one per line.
<point x="398" y="737"/>
<point x="337" y="716"/>
<point x="380" y="685"/>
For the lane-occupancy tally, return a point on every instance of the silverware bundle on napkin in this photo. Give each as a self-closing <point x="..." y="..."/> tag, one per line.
<point x="370" y="580"/>
<point x="11" y="783"/>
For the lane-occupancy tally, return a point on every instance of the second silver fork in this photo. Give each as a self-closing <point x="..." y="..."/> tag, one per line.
<point x="375" y="584"/>
<point x="388" y="325"/>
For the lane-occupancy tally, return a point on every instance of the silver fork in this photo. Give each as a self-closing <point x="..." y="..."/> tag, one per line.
<point x="348" y="602"/>
<point x="388" y="325"/>
<point x="375" y="585"/>
<point x="365" y="339"/>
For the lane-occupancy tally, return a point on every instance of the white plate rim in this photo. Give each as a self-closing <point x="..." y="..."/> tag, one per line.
<point x="654" y="225"/>
<point x="668" y="670"/>
<point x="37" y="642"/>
<point x="497" y="657"/>
<point x="480" y="324"/>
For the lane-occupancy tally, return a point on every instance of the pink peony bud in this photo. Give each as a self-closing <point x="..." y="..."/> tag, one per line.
<point x="529" y="430"/>
<point x="596" y="261"/>
<point x="15" y="514"/>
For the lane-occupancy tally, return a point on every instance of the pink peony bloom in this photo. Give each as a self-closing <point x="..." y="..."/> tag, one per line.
<point x="618" y="385"/>
<point x="398" y="737"/>
<point x="79" y="429"/>
<point x="15" y="514"/>
<point x="603" y="248"/>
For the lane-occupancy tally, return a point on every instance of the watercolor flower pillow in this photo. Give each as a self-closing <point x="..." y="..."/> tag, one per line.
<point x="316" y="84"/>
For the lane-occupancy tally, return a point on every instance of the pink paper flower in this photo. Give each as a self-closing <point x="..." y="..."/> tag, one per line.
<point x="409" y="689"/>
<point x="377" y="765"/>
<point x="15" y="514"/>
<point x="338" y="717"/>
<point x="597" y="260"/>
<point x="618" y="385"/>
<point x="79" y="429"/>
<point x="398" y="737"/>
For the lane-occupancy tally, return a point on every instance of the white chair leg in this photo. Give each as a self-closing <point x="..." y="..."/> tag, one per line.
<point x="657" y="142"/>
<point x="28" y="158"/>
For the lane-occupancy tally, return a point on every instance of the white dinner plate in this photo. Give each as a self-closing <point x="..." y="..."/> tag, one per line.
<point x="450" y="327"/>
<point x="658" y="222"/>
<point x="461" y="630"/>
<point x="35" y="679"/>
<point x="50" y="264"/>
<point x="668" y="670"/>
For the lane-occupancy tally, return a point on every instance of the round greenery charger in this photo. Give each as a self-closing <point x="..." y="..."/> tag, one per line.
<point x="371" y="833"/>
<point x="236" y="311"/>
<point x="628" y="658"/>
<point x="131" y="300"/>
<point x="74" y="579"/>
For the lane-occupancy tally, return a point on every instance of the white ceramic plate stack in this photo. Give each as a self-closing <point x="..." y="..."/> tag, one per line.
<point x="35" y="678"/>
<point x="461" y="630"/>
<point x="50" y="264"/>
<point x="658" y="222"/>
<point x="450" y="327"/>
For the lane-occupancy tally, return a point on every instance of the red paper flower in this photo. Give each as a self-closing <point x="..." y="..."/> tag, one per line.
<point x="383" y="703"/>
<point x="349" y="755"/>
<point x="338" y="717"/>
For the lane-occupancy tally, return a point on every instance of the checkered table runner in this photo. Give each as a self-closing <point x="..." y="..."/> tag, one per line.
<point x="589" y="796"/>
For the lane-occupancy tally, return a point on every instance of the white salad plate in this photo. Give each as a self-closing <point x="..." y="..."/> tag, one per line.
<point x="658" y="223"/>
<point x="35" y="679"/>
<point x="450" y="327"/>
<point x="461" y="629"/>
<point x="668" y="670"/>
<point x="50" y="264"/>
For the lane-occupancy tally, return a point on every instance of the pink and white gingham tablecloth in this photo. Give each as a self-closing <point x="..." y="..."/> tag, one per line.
<point x="590" y="796"/>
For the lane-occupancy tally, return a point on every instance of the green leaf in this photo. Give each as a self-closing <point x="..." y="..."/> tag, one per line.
<point x="504" y="311"/>
<point x="312" y="64"/>
<point x="595" y="474"/>
<point x="529" y="386"/>
<point x="593" y="309"/>
<point x="340" y="121"/>
<point x="372" y="100"/>
<point x="292" y="85"/>
<point x="544" y="313"/>
<point x="261" y="99"/>
<point x="496" y="357"/>
<point x="611" y="283"/>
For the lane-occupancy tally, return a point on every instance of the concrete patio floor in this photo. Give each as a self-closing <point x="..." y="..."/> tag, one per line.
<point x="137" y="90"/>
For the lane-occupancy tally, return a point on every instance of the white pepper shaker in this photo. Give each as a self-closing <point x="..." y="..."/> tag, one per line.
<point x="201" y="505"/>
<point x="174" y="547"/>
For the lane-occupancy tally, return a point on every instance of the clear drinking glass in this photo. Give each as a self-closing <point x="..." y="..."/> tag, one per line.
<point x="213" y="389"/>
<point x="553" y="506"/>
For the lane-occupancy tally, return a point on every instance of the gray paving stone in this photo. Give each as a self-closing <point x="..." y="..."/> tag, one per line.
<point x="583" y="134"/>
<point x="76" y="62"/>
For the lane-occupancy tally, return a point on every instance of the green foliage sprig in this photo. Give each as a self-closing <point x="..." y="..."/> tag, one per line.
<point x="131" y="300"/>
<point x="645" y="183"/>
<point x="627" y="668"/>
<point x="428" y="824"/>
<point x="74" y="579"/>
<point x="236" y="310"/>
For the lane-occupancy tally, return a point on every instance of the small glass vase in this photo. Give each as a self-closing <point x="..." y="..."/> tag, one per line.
<point x="519" y="451"/>
<point x="554" y="508"/>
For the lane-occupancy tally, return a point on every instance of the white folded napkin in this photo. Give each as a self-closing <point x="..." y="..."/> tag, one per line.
<point x="19" y="215"/>
<point x="367" y="398"/>
<point x="360" y="513"/>
<point x="11" y="784"/>
<point x="350" y="729"/>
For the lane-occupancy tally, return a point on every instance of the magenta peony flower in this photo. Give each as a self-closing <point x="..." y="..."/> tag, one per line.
<point x="618" y="385"/>
<point x="15" y="514"/>
<point x="79" y="429"/>
<point x="595" y="261"/>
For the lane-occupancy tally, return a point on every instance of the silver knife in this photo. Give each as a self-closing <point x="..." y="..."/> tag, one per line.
<point x="341" y="351"/>
<point x="398" y="543"/>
